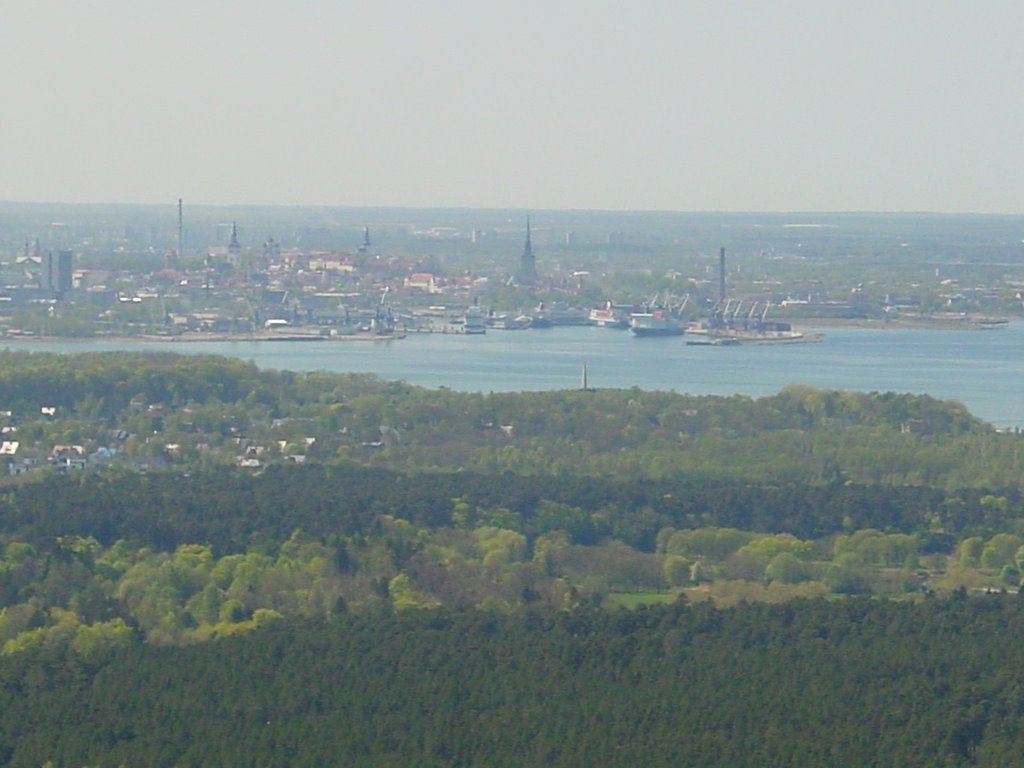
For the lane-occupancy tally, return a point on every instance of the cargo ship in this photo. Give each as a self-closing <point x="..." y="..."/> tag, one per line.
<point x="655" y="322"/>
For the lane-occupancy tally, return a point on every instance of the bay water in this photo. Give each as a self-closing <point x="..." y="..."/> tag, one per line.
<point x="982" y="369"/>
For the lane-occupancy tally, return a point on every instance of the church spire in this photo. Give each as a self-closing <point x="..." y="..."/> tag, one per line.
<point x="234" y="246"/>
<point x="527" y="274"/>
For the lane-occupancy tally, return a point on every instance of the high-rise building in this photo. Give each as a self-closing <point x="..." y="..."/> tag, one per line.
<point x="178" y="253"/>
<point x="527" y="274"/>
<point x="59" y="268"/>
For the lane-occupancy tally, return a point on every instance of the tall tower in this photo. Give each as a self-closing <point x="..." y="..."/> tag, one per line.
<point x="721" y="276"/>
<point x="172" y="255"/>
<point x="178" y="254"/>
<point x="527" y="274"/>
<point x="234" y="246"/>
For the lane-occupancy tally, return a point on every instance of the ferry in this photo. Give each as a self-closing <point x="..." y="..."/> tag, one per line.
<point x="474" y="322"/>
<point x="609" y="316"/>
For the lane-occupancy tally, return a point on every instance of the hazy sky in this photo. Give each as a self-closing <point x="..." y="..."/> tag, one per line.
<point x="675" y="105"/>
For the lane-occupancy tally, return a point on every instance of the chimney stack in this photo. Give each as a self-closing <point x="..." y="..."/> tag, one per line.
<point x="721" y="275"/>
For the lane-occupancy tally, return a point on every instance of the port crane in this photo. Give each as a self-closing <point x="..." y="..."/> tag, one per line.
<point x="383" y="322"/>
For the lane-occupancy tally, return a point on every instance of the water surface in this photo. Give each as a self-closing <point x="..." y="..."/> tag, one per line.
<point x="982" y="369"/>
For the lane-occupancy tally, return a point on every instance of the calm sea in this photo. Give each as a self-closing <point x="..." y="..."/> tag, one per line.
<point x="982" y="369"/>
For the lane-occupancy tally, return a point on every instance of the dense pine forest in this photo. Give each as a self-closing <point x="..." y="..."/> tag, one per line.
<point x="809" y="683"/>
<point x="202" y="563"/>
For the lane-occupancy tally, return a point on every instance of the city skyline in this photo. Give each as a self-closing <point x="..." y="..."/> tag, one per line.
<point x="743" y="106"/>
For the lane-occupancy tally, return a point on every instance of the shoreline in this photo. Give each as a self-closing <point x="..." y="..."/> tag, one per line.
<point x="960" y="323"/>
<point x="203" y="337"/>
<point x="967" y="323"/>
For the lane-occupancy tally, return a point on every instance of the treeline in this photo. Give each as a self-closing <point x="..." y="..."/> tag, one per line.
<point x="187" y="412"/>
<point x="810" y="683"/>
<point x="29" y="380"/>
<point x="90" y="598"/>
<point x="104" y="384"/>
<point x="233" y="509"/>
<point x="99" y="561"/>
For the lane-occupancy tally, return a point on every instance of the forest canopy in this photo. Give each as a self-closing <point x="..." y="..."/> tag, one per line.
<point x="229" y="497"/>
<point x="610" y="577"/>
<point x="855" y="682"/>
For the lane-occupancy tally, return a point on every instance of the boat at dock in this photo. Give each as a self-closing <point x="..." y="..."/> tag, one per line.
<point x="735" y="322"/>
<point x="734" y="339"/>
<point x="474" y="322"/>
<point x="659" y="317"/>
<point x="609" y="316"/>
<point x="989" y="323"/>
<point x="712" y="342"/>
<point x="655" y="322"/>
<point x="290" y="337"/>
<point x="507" y="322"/>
